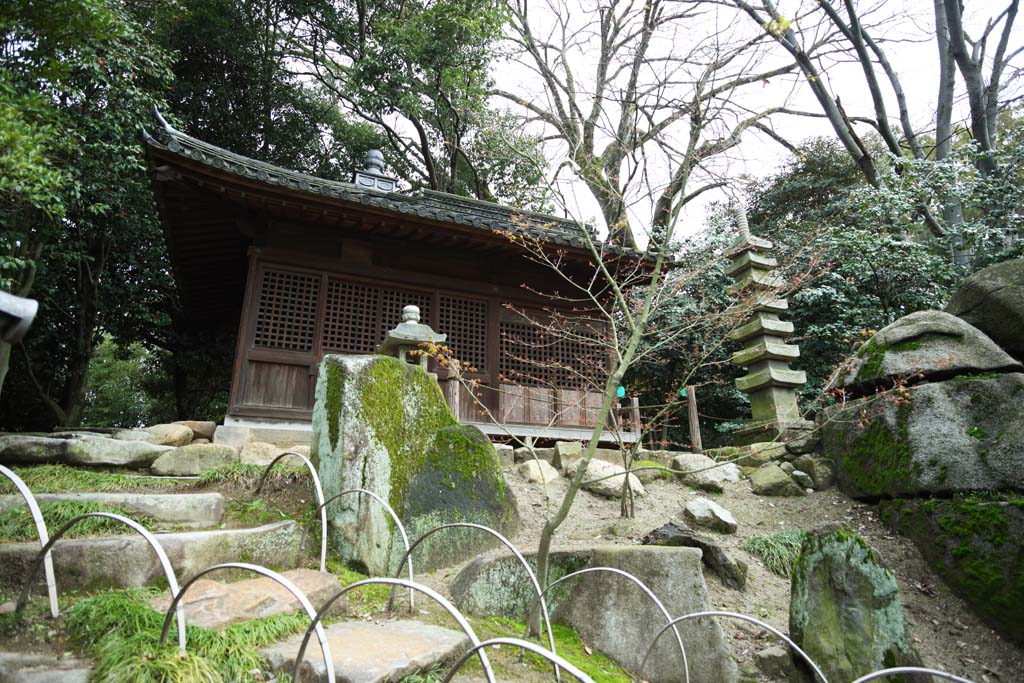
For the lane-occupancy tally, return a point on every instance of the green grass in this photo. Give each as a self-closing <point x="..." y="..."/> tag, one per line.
<point x="778" y="551"/>
<point x="120" y="631"/>
<point x="17" y="524"/>
<point x="363" y="600"/>
<point x="247" y="475"/>
<point x="567" y="644"/>
<point x="65" y="479"/>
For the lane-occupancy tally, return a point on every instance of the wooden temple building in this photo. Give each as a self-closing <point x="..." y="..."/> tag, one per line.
<point x="301" y="266"/>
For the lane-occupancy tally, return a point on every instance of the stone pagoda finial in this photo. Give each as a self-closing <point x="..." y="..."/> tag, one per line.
<point x="371" y="175"/>
<point x="769" y="382"/>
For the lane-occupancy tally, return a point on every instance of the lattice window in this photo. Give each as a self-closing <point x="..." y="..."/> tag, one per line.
<point x="350" y="321"/>
<point x="358" y="316"/>
<point x="286" y="312"/>
<point x="465" y="323"/>
<point x="533" y="356"/>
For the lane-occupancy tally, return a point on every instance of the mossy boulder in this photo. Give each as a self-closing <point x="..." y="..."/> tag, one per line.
<point x="608" y="611"/>
<point x="937" y="438"/>
<point x="382" y="425"/>
<point x="975" y="543"/>
<point x="993" y="301"/>
<point x="930" y="345"/>
<point x="845" y="607"/>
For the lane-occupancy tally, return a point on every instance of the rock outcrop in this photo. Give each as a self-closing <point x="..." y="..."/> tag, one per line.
<point x="993" y="301"/>
<point x="382" y="425"/>
<point x="845" y="608"/>
<point x="610" y="613"/>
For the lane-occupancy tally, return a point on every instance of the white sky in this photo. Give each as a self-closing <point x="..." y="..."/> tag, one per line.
<point x="906" y="33"/>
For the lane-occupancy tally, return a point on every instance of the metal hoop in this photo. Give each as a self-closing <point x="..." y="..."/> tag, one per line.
<point x="172" y="581"/>
<point x="910" y="670"/>
<point x="37" y="518"/>
<point x="390" y="510"/>
<point x="559" y="662"/>
<point x="741" y="617"/>
<point x="435" y="596"/>
<point x="307" y="606"/>
<point x="319" y="496"/>
<point x="645" y="589"/>
<point x="519" y="556"/>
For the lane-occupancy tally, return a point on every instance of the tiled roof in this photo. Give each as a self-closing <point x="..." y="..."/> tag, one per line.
<point x="428" y="204"/>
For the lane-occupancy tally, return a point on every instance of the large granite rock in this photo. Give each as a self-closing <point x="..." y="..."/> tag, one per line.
<point x="214" y="604"/>
<point x="701" y="472"/>
<point x="25" y="449"/>
<point x="706" y="513"/>
<point x="993" y="301"/>
<point x="193" y="459"/>
<point x="538" y="472"/>
<point x="772" y="480"/>
<point x="938" y="438"/>
<point x="607" y="480"/>
<point x="610" y="613"/>
<point x="976" y="545"/>
<point x="100" y="451"/>
<point x="370" y="652"/>
<point x="173" y="434"/>
<point x="930" y="345"/>
<point x="845" y="608"/>
<point x="201" y="429"/>
<point x="382" y="425"/>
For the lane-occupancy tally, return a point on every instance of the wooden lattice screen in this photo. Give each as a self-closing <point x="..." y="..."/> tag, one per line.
<point x="357" y="316"/>
<point x="286" y="312"/>
<point x="465" y="323"/>
<point x="533" y="356"/>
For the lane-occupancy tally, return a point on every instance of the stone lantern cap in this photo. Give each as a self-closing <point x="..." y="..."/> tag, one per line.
<point x="409" y="334"/>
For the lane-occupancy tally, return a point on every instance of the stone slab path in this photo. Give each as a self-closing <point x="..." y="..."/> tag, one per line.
<point x="212" y="604"/>
<point x="187" y="509"/>
<point x="17" y="667"/>
<point x="371" y="652"/>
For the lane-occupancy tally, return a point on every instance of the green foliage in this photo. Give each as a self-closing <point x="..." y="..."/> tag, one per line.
<point x="17" y="524"/>
<point x="778" y="551"/>
<point x="120" y="632"/>
<point x="364" y="600"/>
<point x="595" y="664"/>
<point x="246" y="475"/>
<point x="65" y="479"/>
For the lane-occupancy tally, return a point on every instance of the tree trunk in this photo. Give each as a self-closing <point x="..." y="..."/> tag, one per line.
<point x="5" y="363"/>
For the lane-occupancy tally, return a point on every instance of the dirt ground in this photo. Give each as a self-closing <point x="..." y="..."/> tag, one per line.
<point x="947" y="635"/>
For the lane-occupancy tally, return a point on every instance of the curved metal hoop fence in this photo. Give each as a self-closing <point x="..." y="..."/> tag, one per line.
<point x="390" y="511"/>
<point x="307" y="607"/>
<point x="434" y="595"/>
<point x="522" y="644"/>
<point x="319" y="497"/>
<point x="161" y="555"/>
<point x="515" y="551"/>
<point x="643" y="586"/>
<point x="40" y="523"/>
<point x="897" y="670"/>
<point x="732" y="615"/>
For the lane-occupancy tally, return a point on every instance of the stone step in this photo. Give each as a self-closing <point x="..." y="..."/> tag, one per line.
<point x="128" y="561"/>
<point x="370" y="652"/>
<point x="214" y="604"/>
<point x="188" y="509"/>
<point x="17" y="667"/>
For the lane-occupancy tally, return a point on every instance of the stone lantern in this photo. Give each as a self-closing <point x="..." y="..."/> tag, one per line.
<point x="408" y="335"/>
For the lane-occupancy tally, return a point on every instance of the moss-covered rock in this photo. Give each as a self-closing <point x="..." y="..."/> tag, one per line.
<point x="944" y="437"/>
<point x="975" y="543"/>
<point x="928" y="344"/>
<point x="845" y="608"/>
<point x="993" y="301"/>
<point x="608" y="611"/>
<point x="382" y="425"/>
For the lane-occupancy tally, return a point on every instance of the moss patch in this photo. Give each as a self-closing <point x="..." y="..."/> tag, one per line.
<point x="877" y="461"/>
<point x="976" y="544"/>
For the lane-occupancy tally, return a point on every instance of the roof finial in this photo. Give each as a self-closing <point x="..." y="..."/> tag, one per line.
<point x="741" y="221"/>
<point x="374" y="161"/>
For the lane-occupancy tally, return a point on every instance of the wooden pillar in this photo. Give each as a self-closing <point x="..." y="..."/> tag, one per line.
<point x="691" y="412"/>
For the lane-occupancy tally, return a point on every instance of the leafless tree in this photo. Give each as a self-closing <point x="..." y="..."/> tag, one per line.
<point x="641" y="95"/>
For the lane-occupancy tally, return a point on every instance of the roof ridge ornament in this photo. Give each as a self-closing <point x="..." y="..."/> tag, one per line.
<point x="371" y="175"/>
